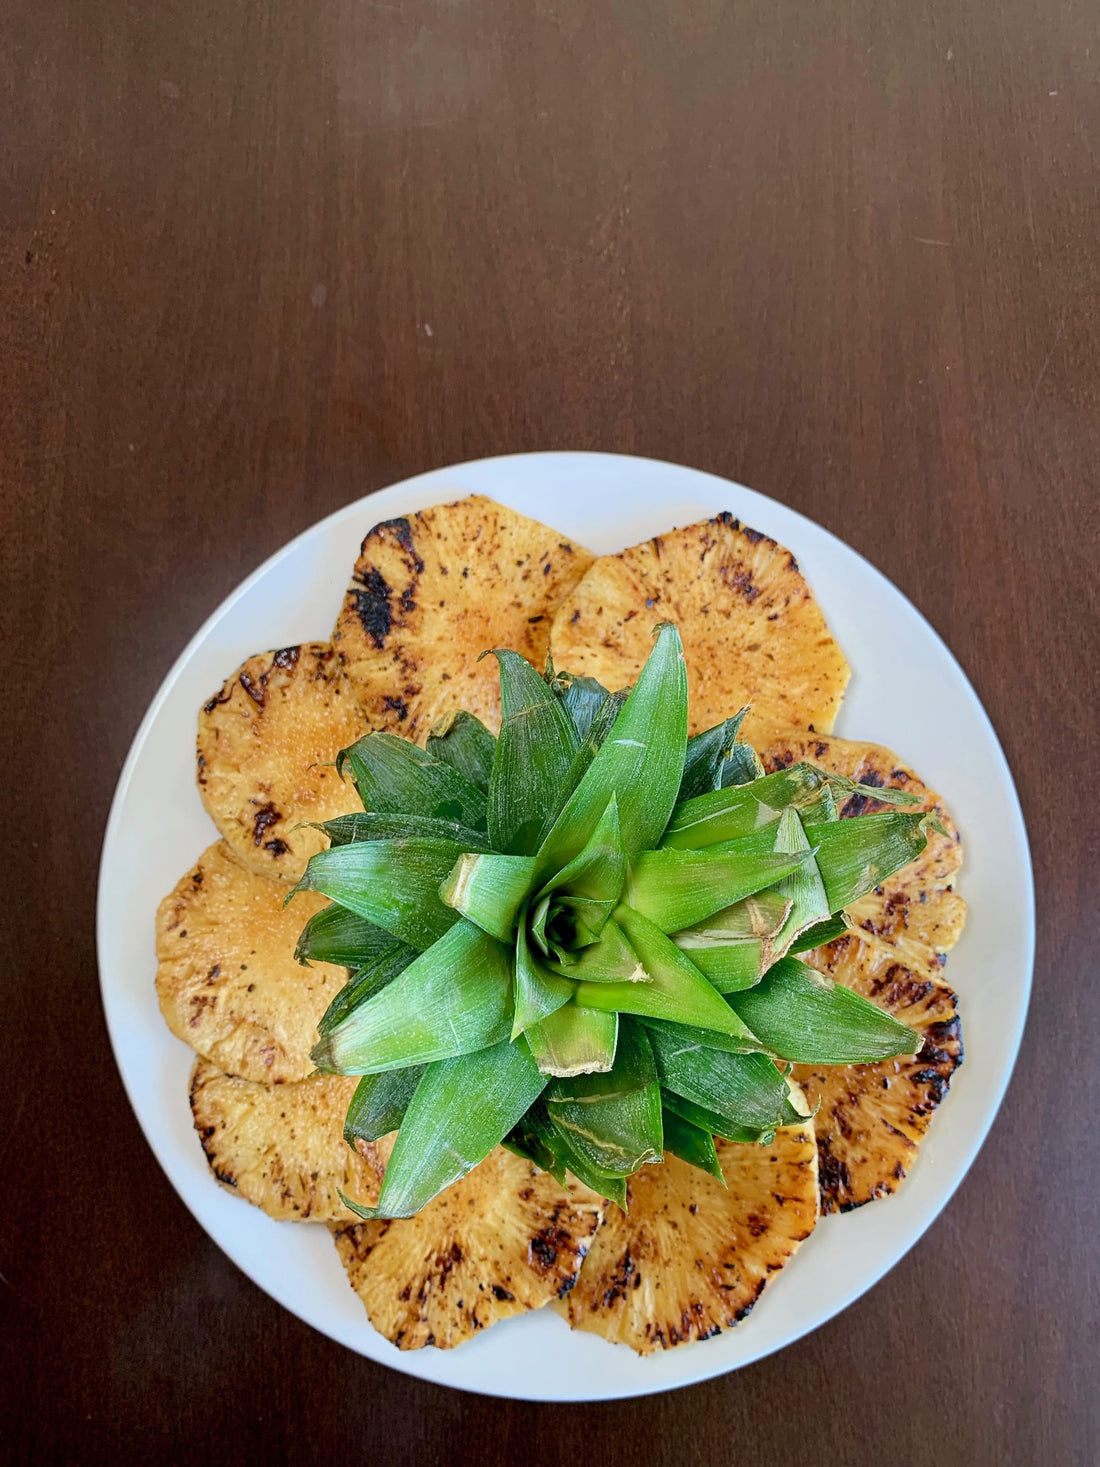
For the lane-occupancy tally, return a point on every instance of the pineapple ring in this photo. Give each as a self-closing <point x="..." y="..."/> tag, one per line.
<point x="691" y="1257"/>
<point x="266" y="747"/>
<point x="430" y="593"/>
<point x="227" y="980"/>
<point x="281" y="1147"/>
<point x="505" y="1239"/>
<point x="916" y="912"/>
<point x="872" y="1118"/>
<point x="751" y="629"/>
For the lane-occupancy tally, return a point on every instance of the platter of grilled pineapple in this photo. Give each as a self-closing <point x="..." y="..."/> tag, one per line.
<point x="447" y="987"/>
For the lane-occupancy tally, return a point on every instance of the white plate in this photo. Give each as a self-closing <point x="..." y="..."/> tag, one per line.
<point x="907" y="691"/>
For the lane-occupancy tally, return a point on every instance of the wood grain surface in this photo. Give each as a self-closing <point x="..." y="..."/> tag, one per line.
<point x="261" y="258"/>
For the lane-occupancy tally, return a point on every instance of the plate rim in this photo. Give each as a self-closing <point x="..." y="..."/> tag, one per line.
<point x="408" y="1362"/>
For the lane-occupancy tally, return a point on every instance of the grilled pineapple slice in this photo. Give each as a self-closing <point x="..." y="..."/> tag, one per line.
<point x="691" y="1257"/>
<point x="872" y="1118"/>
<point x="281" y="1147"/>
<point x="266" y="748"/>
<point x="752" y="631"/>
<point x="430" y="593"/>
<point x="916" y="913"/>
<point x="226" y="978"/>
<point x="505" y="1239"/>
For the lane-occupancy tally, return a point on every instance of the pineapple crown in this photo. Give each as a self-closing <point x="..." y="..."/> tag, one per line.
<point x="580" y="938"/>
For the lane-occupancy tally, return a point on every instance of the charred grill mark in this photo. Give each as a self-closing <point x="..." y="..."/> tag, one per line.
<point x="402" y="533"/>
<point x="265" y="817"/>
<point x="746" y="1308"/>
<point x="217" y="700"/>
<point x="619" y="1282"/>
<point x="834" y="1178"/>
<point x="372" y="605"/>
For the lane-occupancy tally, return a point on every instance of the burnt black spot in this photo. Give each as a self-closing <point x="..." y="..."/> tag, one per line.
<point x="575" y="618"/>
<point x="944" y="1032"/>
<point x="543" y="1247"/>
<point x="407" y="601"/>
<point x="218" y="698"/>
<point x="547" y="569"/>
<point x="402" y="533"/>
<point x="266" y="816"/>
<point x="398" y="706"/>
<point x="835" y="1179"/>
<point x="935" y="1083"/>
<point x="746" y="1308"/>
<point x="754" y="537"/>
<point x="531" y="620"/>
<point x="276" y="846"/>
<point x="857" y="805"/>
<point x="501" y="1293"/>
<point x="254" y="690"/>
<point x="214" y="971"/>
<point x="372" y="605"/>
<point x="286" y="658"/>
<point x="620" y="1280"/>
<point x="740" y="580"/>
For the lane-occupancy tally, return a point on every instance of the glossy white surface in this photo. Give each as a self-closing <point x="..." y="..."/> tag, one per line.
<point x="907" y="691"/>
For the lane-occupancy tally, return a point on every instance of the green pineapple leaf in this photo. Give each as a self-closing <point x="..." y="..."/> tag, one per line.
<point x="640" y="761"/>
<point x="392" y="883"/>
<point x="445" y="1134"/>
<point x="707" y="755"/>
<point x="798" y="1017"/>
<point x="612" y="1120"/>
<point x="395" y="777"/>
<point x="451" y="1000"/>
<point x="574" y="1040"/>
<point x="337" y="935"/>
<point x="692" y="1144"/>
<point x="345" y="830"/>
<point x="379" y="1104"/>
<point x="534" y="752"/>
<point x="462" y="741"/>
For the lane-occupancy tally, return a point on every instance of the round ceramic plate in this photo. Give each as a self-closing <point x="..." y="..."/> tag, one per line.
<point x="158" y="826"/>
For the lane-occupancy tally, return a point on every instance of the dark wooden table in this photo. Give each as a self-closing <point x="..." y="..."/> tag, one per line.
<point x="261" y="258"/>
